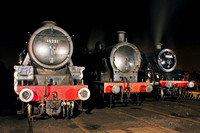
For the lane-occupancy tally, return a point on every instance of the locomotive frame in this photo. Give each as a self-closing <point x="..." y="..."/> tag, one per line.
<point x="115" y="76"/>
<point x="160" y="70"/>
<point x="46" y="80"/>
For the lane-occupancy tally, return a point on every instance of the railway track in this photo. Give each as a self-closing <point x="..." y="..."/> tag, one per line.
<point x="186" y="103"/>
<point x="143" y="125"/>
<point x="190" y="120"/>
<point x="172" y="115"/>
<point x="80" y="126"/>
<point x="151" y="117"/>
<point x="155" y="127"/>
<point x="190" y="109"/>
<point x="52" y="125"/>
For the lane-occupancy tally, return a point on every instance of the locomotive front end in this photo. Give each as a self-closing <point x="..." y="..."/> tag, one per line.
<point x="162" y="71"/>
<point x="47" y="75"/>
<point x="117" y="79"/>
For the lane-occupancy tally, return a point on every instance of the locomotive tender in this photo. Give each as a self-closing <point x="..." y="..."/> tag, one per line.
<point x="114" y="72"/>
<point x="46" y="79"/>
<point x="160" y="70"/>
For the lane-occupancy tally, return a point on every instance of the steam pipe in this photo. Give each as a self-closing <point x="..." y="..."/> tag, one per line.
<point x="41" y="107"/>
<point x="46" y="82"/>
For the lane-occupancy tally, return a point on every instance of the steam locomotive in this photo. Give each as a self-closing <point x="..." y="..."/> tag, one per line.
<point x="45" y="79"/>
<point x="160" y="70"/>
<point x="113" y="72"/>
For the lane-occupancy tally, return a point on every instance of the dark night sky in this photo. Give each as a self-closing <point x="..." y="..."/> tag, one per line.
<point x="174" y="23"/>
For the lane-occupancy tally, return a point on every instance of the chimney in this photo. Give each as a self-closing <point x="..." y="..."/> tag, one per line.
<point x="47" y="23"/>
<point x="121" y="36"/>
<point x="158" y="46"/>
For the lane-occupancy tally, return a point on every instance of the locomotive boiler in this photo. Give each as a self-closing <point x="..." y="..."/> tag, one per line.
<point x="45" y="79"/>
<point x="114" y="72"/>
<point x="161" y="71"/>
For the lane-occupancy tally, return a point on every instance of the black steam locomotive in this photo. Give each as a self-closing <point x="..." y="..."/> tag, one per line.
<point x="113" y="72"/>
<point x="46" y="80"/>
<point x="160" y="70"/>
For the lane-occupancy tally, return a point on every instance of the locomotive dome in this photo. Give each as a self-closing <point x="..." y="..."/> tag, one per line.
<point x="125" y="56"/>
<point x="50" y="46"/>
<point x="167" y="60"/>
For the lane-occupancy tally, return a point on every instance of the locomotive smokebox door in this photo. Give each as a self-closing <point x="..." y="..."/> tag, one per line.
<point x="167" y="60"/>
<point x="125" y="59"/>
<point x="50" y="46"/>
